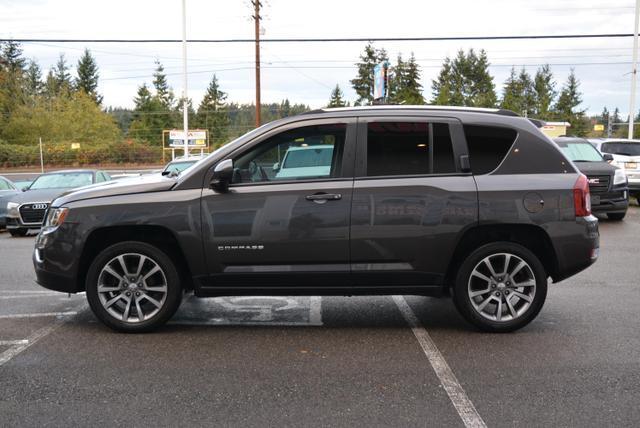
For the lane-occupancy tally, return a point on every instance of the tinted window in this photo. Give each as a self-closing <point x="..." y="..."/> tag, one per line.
<point x="402" y="148"/>
<point x="62" y="180"/>
<point x="308" y="152"/>
<point x="488" y="146"/>
<point x="628" y="149"/>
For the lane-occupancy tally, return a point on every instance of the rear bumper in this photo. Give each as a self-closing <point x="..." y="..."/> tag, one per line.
<point x="577" y="248"/>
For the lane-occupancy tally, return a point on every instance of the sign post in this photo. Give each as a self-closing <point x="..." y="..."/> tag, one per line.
<point x="380" y="81"/>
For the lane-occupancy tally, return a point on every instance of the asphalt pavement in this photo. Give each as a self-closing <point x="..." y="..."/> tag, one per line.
<point x="330" y="361"/>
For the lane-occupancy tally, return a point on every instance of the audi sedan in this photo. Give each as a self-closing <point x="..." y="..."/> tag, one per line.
<point x="26" y="210"/>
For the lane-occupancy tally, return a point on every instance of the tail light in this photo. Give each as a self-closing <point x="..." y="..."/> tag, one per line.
<point x="582" y="197"/>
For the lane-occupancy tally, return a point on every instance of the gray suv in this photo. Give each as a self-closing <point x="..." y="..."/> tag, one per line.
<point x="473" y="203"/>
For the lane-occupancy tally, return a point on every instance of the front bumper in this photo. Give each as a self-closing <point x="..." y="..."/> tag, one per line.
<point x="16" y="223"/>
<point x="615" y="200"/>
<point x="53" y="270"/>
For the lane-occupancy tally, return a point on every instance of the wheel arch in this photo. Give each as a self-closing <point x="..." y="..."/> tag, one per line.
<point x="532" y="237"/>
<point x="158" y="236"/>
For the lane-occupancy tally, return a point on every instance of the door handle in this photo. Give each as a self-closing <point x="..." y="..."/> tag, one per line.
<point x="323" y="197"/>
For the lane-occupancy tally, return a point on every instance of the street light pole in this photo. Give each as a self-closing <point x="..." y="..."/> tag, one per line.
<point x="257" y="18"/>
<point x="634" y="72"/>
<point x="185" y="108"/>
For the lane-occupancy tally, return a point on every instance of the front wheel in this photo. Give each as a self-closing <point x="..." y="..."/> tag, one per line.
<point x="133" y="287"/>
<point x="616" y="216"/>
<point x="18" y="232"/>
<point x="500" y="287"/>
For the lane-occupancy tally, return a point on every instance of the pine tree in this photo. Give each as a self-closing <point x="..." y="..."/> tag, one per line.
<point x="149" y="117"/>
<point x="465" y="81"/>
<point x="405" y="87"/>
<point x="88" y="75"/>
<point x="511" y="96"/>
<point x="62" y="78"/>
<point x="519" y="95"/>
<point x="363" y="83"/>
<point x="33" y="79"/>
<point x="337" y="98"/>
<point x="544" y="92"/>
<point x="163" y="91"/>
<point x="212" y="113"/>
<point x="11" y="59"/>
<point x="566" y="106"/>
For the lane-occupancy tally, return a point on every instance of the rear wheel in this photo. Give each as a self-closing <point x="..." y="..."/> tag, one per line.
<point x="18" y="232"/>
<point x="133" y="287"/>
<point x="616" y="216"/>
<point x="500" y="287"/>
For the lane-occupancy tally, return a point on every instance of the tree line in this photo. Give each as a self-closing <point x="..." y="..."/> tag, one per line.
<point x="64" y="108"/>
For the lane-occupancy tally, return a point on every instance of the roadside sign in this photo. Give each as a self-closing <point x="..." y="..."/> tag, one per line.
<point x="195" y="138"/>
<point x="598" y="127"/>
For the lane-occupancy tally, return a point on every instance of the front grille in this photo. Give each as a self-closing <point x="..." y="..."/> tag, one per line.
<point x="598" y="183"/>
<point x="33" y="213"/>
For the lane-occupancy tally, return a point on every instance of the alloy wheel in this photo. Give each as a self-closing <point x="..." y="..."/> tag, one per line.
<point x="132" y="287"/>
<point x="502" y="287"/>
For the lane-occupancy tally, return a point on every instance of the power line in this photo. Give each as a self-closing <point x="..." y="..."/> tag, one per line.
<point x="330" y="39"/>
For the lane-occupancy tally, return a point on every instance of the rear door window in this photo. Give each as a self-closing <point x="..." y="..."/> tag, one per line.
<point x="488" y="146"/>
<point x="409" y="148"/>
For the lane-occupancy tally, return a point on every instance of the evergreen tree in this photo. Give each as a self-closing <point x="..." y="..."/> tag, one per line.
<point x="163" y="91"/>
<point x="465" y="81"/>
<point x="149" y="117"/>
<point x="88" y="75"/>
<point x="337" y="98"/>
<point x="544" y="92"/>
<point x="511" y="95"/>
<point x="33" y="79"/>
<point x="519" y="95"/>
<point x="213" y="115"/>
<point x="566" y="106"/>
<point x="404" y="86"/>
<point x="363" y="83"/>
<point x="61" y="76"/>
<point x="11" y="59"/>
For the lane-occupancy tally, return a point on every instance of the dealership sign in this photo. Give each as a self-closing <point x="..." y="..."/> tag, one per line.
<point x="196" y="138"/>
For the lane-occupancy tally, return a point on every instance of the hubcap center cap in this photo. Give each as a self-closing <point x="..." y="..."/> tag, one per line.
<point x="501" y="285"/>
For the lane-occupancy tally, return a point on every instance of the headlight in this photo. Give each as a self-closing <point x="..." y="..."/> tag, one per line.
<point x="12" y="209"/>
<point x="55" y="217"/>
<point x="619" y="177"/>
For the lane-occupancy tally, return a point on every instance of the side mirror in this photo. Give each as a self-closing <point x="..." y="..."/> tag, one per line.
<point x="276" y="167"/>
<point x="25" y="188"/>
<point x="465" y="164"/>
<point x="222" y="175"/>
<point x="607" y="156"/>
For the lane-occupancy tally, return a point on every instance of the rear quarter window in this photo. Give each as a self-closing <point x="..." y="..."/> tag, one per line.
<point x="488" y="146"/>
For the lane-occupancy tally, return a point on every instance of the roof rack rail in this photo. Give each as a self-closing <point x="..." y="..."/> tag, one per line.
<point x="501" y="112"/>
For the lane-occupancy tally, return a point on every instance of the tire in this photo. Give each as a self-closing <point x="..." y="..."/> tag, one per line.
<point x="616" y="216"/>
<point x="482" y="309"/>
<point x="125" y="294"/>
<point x="18" y="232"/>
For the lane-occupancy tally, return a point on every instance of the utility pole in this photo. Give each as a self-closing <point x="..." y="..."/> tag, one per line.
<point x="634" y="72"/>
<point x="185" y="106"/>
<point x="257" y="18"/>
<point x="41" y="157"/>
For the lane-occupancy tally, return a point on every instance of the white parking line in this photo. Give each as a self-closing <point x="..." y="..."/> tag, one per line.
<point x="13" y="342"/>
<point x="41" y="314"/>
<point x="463" y="405"/>
<point x="29" y="296"/>
<point x="33" y="338"/>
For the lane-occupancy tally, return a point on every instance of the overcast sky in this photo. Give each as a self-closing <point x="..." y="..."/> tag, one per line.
<point x="307" y="72"/>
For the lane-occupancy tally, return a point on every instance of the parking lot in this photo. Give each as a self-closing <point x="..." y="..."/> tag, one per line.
<point x="327" y="361"/>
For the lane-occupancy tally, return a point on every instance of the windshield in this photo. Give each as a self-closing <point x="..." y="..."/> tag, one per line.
<point x="64" y="180"/>
<point x="179" y="166"/>
<point x="308" y="157"/>
<point x="627" y="149"/>
<point x="581" y="152"/>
